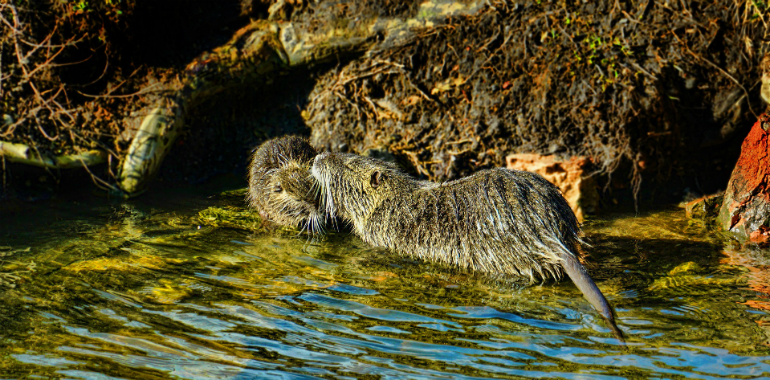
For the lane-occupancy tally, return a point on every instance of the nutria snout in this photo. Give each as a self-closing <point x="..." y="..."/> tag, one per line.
<point x="281" y="186"/>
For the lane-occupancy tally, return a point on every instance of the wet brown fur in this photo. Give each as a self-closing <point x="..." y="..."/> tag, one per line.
<point x="281" y="187"/>
<point x="496" y="221"/>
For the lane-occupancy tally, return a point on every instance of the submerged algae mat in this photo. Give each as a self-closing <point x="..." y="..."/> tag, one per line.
<point x="147" y="290"/>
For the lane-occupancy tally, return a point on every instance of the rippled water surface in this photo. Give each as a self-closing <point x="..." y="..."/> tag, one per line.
<point x="100" y="289"/>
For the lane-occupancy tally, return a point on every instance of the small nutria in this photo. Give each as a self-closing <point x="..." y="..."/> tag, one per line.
<point x="497" y="221"/>
<point x="281" y="186"/>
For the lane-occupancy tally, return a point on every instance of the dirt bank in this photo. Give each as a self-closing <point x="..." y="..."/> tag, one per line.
<point x="660" y="90"/>
<point x="658" y="94"/>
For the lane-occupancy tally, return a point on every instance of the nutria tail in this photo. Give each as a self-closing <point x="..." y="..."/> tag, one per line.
<point x="591" y="292"/>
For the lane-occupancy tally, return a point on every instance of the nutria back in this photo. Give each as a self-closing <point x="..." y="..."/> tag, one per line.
<point x="496" y="221"/>
<point x="281" y="187"/>
<point x="464" y="223"/>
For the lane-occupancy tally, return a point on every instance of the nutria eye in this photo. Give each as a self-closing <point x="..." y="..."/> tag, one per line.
<point x="376" y="180"/>
<point x="278" y="188"/>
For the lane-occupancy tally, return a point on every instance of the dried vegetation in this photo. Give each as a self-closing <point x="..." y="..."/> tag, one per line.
<point x="647" y="86"/>
<point x="54" y="58"/>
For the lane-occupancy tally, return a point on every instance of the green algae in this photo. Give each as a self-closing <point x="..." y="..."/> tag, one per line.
<point x="233" y="217"/>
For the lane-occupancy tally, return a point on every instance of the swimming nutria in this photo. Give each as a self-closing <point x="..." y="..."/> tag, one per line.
<point x="497" y="221"/>
<point x="281" y="186"/>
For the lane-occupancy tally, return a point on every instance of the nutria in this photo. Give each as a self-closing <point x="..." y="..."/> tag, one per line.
<point x="281" y="187"/>
<point x="496" y="221"/>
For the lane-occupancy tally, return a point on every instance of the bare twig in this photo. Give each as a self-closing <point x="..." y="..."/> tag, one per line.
<point x="640" y="68"/>
<point x="100" y="183"/>
<point x="46" y="63"/>
<point x="108" y="96"/>
<point x="374" y="108"/>
<point x="5" y="184"/>
<point x="1" y="70"/>
<point x="8" y="24"/>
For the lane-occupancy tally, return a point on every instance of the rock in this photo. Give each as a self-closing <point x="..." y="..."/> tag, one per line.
<point x="704" y="208"/>
<point x="746" y="207"/>
<point x="571" y="177"/>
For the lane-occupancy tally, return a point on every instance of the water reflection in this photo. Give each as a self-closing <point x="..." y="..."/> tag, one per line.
<point x="142" y="292"/>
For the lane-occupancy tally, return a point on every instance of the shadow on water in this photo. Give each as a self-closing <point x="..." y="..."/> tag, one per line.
<point x="144" y="290"/>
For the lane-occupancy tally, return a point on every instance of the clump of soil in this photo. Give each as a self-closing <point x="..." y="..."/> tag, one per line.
<point x="657" y="89"/>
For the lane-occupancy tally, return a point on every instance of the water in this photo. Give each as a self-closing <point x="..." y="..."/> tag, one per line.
<point x="100" y="289"/>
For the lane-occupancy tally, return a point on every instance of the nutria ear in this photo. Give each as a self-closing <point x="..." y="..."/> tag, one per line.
<point x="377" y="178"/>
